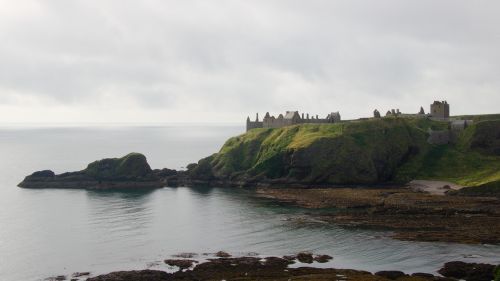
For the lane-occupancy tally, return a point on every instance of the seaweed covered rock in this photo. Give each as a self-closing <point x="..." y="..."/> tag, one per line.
<point x="468" y="271"/>
<point x="136" y="275"/>
<point x="180" y="263"/>
<point x="392" y="275"/>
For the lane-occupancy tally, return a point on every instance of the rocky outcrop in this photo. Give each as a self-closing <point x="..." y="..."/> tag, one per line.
<point x="392" y="275"/>
<point x="180" y="263"/>
<point x="276" y="268"/>
<point x="136" y="275"/>
<point x="130" y="171"/>
<point x="468" y="271"/>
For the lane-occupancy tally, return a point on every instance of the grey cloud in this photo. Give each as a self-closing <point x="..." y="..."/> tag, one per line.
<point x="246" y="56"/>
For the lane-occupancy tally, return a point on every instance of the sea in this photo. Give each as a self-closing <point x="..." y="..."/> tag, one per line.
<point x="51" y="232"/>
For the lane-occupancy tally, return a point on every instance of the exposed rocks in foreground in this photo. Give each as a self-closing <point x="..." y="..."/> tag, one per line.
<point x="412" y="215"/>
<point x="276" y="268"/>
<point x="180" y="263"/>
<point x="135" y="275"/>
<point x="468" y="271"/>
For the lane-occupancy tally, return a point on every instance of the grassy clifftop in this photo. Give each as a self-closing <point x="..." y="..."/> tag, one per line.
<point x="358" y="152"/>
<point x="473" y="161"/>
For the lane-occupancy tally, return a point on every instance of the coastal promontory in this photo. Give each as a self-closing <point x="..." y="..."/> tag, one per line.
<point x="129" y="171"/>
<point x="365" y="152"/>
<point x="361" y="152"/>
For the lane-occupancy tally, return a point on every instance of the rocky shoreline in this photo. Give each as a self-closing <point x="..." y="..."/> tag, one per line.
<point x="225" y="267"/>
<point x="411" y="215"/>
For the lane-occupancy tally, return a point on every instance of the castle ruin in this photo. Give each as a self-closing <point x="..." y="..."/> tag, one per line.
<point x="440" y="110"/>
<point x="290" y="118"/>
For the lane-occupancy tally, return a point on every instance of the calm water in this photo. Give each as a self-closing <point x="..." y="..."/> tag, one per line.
<point x="51" y="232"/>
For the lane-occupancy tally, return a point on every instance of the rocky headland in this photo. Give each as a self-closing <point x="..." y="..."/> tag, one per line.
<point x="130" y="171"/>
<point x="372" y="152"/>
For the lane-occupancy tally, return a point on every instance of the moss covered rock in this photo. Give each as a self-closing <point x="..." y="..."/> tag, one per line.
<point x="130" y="166"/>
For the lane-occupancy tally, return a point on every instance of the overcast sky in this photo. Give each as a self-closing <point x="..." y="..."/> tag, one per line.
<point x="219" y="61"/>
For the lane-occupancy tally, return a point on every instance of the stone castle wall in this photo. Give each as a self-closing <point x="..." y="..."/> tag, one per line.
<point x="291" y="118"/>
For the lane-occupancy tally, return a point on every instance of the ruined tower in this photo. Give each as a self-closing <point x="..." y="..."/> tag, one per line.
<point x="440" y="109"/>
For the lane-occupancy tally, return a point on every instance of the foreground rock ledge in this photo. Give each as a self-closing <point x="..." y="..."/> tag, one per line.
<point x="414" y="216"/>
<point x="275" y="268"/>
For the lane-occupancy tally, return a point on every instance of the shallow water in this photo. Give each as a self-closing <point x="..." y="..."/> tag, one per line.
<point x="51" y="232"/>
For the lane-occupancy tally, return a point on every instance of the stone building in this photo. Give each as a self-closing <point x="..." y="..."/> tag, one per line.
<point x="440" y="110"/>
<point x="290" y="118"/>
<point x="460" y="125"/>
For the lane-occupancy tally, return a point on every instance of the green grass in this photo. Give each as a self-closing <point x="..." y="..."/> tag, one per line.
<point x="472" y="161"/>
<point x="465" y="168"/>
<point x="362" y="151"/>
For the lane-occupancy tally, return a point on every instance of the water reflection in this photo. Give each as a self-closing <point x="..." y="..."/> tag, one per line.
<point x="119" y="215"/>
<point x="202" y="190"/>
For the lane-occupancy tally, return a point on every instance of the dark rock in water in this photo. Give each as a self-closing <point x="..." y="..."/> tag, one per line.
<point x="222" y="254"/>
<point x="56" y="278"/>
<point x="277" y="262"/>
<point x="290" y="257"/>
<point x="80" y="274"/>
<point x="424" y="275"/>
<point x="185" y="255"/>
<point x="468" y="271"/>
<point x="130" y="171"/>
<point x="139" y="275"/>
<point x="323" y="258"/>
<point x="393" y="275"/>
<point x="180" y="263"/>
<point x="305" y="257"/>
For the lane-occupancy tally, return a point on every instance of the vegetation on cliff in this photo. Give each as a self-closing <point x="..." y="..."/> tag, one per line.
<point x="358" y="152"/>
<point x="473" y="161"/>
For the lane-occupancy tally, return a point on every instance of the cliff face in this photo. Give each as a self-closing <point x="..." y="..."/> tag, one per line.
<point x="387" y="150"/>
